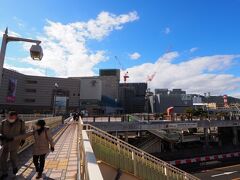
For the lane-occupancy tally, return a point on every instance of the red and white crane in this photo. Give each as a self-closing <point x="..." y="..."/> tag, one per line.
<point x="150" y="77"/>
<point x="125" y="76"/>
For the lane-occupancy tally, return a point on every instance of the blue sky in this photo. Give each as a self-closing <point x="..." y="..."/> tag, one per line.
<point x="199" y="33"/>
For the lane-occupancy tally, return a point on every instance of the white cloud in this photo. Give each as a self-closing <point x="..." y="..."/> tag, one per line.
<point x="18" y="21"/>
<point x="135" y="56"/>
<point x="198" y="75"/>
<point x="27" y="70"/>
<point x="64" y="45"/>
<point x="193" y="49"/>
<point x="167" y="30"/>
<point x="10" y="33"/>
<point x="236" y="94"/>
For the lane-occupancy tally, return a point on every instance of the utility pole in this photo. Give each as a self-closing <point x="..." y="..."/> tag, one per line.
<point x="35" y="51"/>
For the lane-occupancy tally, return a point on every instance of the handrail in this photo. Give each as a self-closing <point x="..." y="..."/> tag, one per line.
<point x="139" y="153"/>
<point x="238" y="109"/>
<point x="88" y="168"/>
<point x="167" y="137"/>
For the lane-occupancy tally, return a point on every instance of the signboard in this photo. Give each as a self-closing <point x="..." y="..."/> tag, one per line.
<point x="236" y="124"/>
<point x="60" y="104"/>
<point x="11" y="92"/>
<point x="181" y="125"/>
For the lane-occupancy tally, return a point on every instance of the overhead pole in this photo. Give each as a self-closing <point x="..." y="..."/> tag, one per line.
<point x="125" y="76"/>
<point x="5" y="39"/>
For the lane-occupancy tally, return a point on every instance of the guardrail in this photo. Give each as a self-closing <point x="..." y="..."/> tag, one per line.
<point x="29" y="117"/>
<point x="130" y="159"/>
<point x="88" y="168"/>
<point x="102" y="119"/>
<point x="170" y="137"/>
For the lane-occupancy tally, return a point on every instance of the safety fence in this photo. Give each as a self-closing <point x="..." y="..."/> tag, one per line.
<point x="167" y="136"/>
<point x="130" y="159"/>
<point x="88" y="168"/>
<point x="28" y="117"/>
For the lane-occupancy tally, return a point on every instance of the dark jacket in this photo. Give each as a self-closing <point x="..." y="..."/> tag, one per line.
<point x="11" y="130"/>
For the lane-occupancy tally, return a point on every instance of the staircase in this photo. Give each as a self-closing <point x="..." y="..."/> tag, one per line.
<point x="129" y="159"/>
<point x="238" y="108"/>
<point x="169" y="137"/>
<point x="148" y="142"/>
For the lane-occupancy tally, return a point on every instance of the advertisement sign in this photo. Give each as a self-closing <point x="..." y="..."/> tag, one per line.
<point x="182" y="125"/>
<point x="11" y="92"/>
<point x="60" y="104"/>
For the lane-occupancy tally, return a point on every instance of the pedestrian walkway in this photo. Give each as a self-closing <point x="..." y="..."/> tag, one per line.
<point x="77" y="149"/>
<point x="62" y="163"/>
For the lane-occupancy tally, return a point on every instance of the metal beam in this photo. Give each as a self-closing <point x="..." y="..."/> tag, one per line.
<point x="138" y="126"/>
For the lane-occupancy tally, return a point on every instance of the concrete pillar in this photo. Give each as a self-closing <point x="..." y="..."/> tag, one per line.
<point x="160" y="146"/>
<point x="219" y="137"/>
<point x="140" y="133"/>
<point x="206" y="135"/>
<point x="171" y="146"/>
<point x="235" y="136"/>
<point x="126" y="136"/>
<point x="219" y="142"/>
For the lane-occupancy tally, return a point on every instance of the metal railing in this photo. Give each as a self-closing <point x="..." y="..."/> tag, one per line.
<point x="170" y="137"/>
<point x="148" y="143"/>
<point x="89" y="119"/>
<point x="88" y="168"/>
<point x="28" y="117"/>
<point x="130" y="159"/>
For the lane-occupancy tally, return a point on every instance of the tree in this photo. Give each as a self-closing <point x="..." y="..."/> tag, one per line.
<point x="189" y="111"/>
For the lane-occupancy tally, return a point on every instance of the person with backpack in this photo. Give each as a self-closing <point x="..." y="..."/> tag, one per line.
<point x="43" y="144"/>
<point x="12" y="127"/>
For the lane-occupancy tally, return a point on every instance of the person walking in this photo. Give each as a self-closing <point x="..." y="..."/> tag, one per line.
<point x="43" y="144"/>
<point x="11" y="127"/>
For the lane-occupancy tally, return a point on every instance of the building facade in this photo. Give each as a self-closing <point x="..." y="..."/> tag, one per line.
<point x="176" y="98"/>
<point x="36" y="94"/>
<point x="132" y="97"/>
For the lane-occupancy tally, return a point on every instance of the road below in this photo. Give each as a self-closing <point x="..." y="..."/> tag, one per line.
<point x="223" y="173"/>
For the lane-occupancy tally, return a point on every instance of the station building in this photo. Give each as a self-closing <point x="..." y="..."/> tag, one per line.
<point x="97" y="94"/>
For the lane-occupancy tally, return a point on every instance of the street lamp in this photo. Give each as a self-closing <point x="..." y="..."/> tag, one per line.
<point x="35" y="51"/>
<point x="207" y="96"/>
<point x="147" y="100"/>
<point x="54" y="98"/>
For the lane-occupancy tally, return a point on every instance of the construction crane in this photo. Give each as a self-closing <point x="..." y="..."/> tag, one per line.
<point x="125" y="76"/>
<point x="150" y="77"/>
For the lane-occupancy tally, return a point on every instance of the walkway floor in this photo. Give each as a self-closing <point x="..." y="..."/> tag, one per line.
<point x="62" y="163"/>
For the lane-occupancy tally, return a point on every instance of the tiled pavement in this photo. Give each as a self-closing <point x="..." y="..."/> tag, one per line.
<point x="62" y="163"/>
